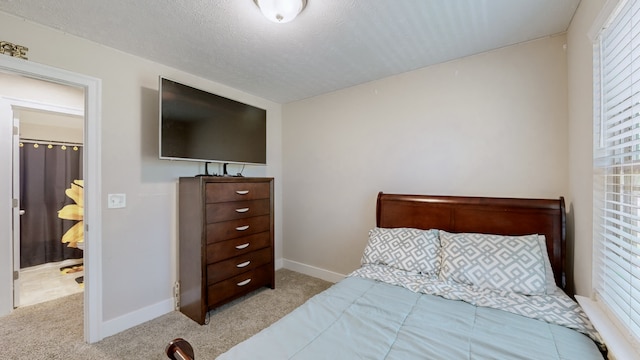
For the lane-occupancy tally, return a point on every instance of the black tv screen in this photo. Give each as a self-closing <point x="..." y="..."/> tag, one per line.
<point x="200" y="126"/>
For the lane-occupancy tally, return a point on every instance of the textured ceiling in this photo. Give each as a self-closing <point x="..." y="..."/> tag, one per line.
<point x="333" y="44"/>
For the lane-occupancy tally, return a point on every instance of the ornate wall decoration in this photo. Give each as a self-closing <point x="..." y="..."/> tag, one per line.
<point x="14" y="50"/>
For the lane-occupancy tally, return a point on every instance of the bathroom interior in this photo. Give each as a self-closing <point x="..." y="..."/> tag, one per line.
<point x="48" y="172"/>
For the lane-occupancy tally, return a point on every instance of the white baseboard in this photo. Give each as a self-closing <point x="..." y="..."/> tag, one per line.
<point x="279" y="264"/>
<point x="124" y="322"/>
<point x="312" y="271"/>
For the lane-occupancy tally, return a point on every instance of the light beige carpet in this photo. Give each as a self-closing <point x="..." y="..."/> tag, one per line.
<point x="54" y="330"/>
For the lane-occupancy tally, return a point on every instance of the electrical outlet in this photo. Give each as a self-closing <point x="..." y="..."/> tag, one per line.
<point x="176" y="295"/>
<point x="116" y="201"/>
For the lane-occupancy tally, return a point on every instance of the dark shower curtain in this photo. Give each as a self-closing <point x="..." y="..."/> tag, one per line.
<point x="46" y="171"/>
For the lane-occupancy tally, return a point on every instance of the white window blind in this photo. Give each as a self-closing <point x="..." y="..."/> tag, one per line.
<point x="617" y="166"/>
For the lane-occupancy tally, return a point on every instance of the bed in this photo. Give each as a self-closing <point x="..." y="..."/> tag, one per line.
<point x="444" y="277"/>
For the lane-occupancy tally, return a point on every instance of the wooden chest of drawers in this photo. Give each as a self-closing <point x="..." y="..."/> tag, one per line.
<point x="225" y="240"/>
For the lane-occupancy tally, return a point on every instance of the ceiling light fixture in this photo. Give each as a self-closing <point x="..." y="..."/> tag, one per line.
<point x="281" y="11"/>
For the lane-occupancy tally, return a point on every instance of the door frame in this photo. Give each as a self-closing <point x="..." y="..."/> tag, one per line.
<point x="93" y="322"/>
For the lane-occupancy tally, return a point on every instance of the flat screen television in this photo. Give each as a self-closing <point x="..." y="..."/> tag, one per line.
<point x="196" y="125"/>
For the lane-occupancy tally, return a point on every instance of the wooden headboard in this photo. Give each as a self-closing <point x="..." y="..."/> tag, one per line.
<point x="502" y="216"/>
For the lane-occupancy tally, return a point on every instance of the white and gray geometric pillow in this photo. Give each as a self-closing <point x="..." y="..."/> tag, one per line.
<point x="408" y="249"/>
<point x="512" y="263"/>
<point x="550" y="278"/>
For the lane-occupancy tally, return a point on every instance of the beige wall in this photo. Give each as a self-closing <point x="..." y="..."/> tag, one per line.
<point x="50" y="132"/>
<point x="502" y="123"/>
<point x="493" y="124"/>
<point x="580" y="200"/>
<point x="42" y="92"/>
<point x="49" y="124"/>
<point x="139" y="241"/>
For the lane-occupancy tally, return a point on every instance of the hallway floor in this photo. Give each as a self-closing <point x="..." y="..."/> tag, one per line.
<point x="46" y="282"/>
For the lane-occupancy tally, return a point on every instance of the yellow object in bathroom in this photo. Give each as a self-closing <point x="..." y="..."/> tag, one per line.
<point x="75" y="234"/>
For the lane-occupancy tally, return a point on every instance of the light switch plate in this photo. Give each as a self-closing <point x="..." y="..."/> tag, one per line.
<point x="116" y="201"/>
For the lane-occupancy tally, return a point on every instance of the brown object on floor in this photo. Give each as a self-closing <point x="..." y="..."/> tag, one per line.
<point x="179" y="349"/>
<point x="72" y="268"/>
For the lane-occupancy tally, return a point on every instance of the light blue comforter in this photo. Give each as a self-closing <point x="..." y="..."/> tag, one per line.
<point x="360" y="318"/>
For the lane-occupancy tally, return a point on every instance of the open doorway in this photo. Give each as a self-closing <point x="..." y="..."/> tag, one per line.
<point x="48" y="169"/>
<point x="93" y="322"/>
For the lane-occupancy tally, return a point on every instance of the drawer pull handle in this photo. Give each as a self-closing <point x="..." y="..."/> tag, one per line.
<point x="243" y="210"/>
<point x="242" y="192"/>
<point x="244" y="264"/>
<point x="242" y="228"/>
<point x="243" y="283"/>
<point x="243" y="246"/>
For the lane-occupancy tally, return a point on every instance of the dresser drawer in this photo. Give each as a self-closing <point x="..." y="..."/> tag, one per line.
<point x="237" y="210"/>
<point x="228" y="268"/>
<point x="244" y="283"/>
<point x="227" y="249"/>
<point x="222" y="192"/>
<point x="232" y="229"/>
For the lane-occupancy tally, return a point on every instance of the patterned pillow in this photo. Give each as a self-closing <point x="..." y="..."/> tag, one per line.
<point x="404" y="248"/>
<point x="550" y="281"/>
<point x="512" y="263"/>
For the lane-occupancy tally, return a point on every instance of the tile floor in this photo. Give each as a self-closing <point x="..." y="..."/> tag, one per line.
<point x="45" y="282"/>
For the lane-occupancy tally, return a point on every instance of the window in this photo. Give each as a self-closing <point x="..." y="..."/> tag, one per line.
<point x="617" y="165"/>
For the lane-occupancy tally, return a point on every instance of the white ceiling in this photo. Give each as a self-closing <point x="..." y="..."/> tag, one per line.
<point x="333" y="44"/>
